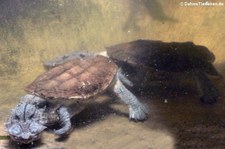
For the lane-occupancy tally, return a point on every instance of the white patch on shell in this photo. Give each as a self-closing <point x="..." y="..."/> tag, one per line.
<point x="77" y="97"/>
<point x="83" y="85"/>
<point x="103" y="53"/>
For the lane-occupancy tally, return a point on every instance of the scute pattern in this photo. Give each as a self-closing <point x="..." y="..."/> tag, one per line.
<point x="80" y="78"/>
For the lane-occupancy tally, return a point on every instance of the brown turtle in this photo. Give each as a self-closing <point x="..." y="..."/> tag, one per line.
<point x="147" y="60"/>
<point x="63" y="91"/>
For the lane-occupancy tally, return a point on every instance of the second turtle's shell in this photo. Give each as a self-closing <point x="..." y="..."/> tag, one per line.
<point x="162" y="56"/>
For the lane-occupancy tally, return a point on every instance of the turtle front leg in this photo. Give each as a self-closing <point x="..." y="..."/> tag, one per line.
<point x="50" y="117"/>
<point x="137" y="110"/>
<point x="64" y="121"/>
<point x="124" y="79"/>
<point x="209" y="93"/>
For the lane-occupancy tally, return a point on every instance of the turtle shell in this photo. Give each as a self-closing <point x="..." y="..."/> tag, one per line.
<point x="163" y="56"/>
<point x="79" y="78"/>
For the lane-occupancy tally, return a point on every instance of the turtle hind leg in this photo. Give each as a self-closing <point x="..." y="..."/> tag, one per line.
<point x="64" y="121"/>
<point x="137" y="110"/>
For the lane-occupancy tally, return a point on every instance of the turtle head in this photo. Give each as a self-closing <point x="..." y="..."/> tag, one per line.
<point x="24" y="125"/>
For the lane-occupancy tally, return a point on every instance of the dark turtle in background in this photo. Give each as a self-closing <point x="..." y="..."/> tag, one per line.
<point x="146" y="60"/>
<point x="55" y="96"/>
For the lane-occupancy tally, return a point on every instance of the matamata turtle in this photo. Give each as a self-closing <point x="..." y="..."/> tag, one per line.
<point x="63" y="91"/>
<point x="145" y="60"/>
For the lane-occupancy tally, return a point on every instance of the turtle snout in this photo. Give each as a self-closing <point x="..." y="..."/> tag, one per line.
<point x="25" y="138"/>
<point x="24" y="132"/>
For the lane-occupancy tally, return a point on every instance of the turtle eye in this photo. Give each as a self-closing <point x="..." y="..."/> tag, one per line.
<point x="15" y="130"/>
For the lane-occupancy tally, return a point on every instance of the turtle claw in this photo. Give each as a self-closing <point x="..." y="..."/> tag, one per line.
<point x="139" y="113"/>
<point x="61" y="132"/>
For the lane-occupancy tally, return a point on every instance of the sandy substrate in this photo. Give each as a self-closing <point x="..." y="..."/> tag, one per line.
<point x="181" y="122"/>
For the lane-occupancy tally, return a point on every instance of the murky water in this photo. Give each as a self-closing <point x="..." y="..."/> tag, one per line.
<point x="35" y="31"/>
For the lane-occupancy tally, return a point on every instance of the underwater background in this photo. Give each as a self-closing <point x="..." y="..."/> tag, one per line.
<point x="32" y="32"/>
